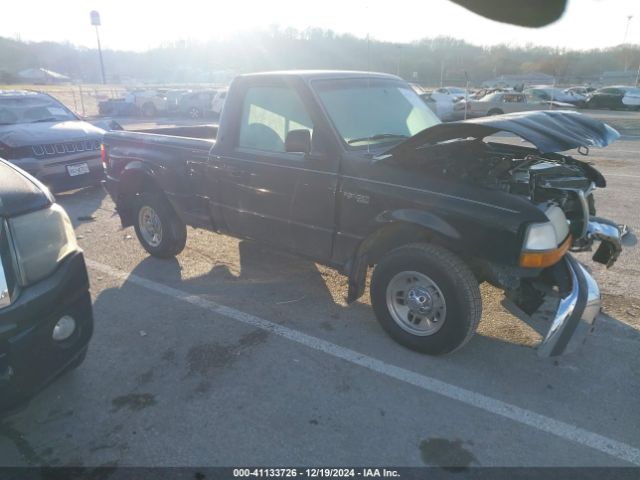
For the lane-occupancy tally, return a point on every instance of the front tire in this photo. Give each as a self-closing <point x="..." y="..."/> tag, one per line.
<point x="158" y="227"/>
<point x="426" y="298"/>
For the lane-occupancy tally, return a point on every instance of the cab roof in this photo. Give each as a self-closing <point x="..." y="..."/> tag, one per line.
<point x="309" y="75"/>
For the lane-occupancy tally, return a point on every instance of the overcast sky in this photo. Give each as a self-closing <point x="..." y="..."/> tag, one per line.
<point x="142" y="24"/>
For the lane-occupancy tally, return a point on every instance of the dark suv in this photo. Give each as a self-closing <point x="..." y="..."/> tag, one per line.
<point x="46" y="319"/>
<point x="45" y="138"/>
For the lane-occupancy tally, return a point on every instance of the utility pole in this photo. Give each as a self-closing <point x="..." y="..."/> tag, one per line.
<point x="626" y="30"/>
<point x="95" y="21"/>
<point x="624" y="43"/>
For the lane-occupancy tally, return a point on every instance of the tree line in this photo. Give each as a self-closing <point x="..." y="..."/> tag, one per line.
<point x="428" y="61"/>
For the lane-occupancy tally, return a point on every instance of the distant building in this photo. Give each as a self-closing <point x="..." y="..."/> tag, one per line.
<point x="42" y="76"/>
<point x="534" y="78"/>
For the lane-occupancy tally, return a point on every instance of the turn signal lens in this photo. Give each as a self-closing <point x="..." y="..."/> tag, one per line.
<point x="546" y="258"/>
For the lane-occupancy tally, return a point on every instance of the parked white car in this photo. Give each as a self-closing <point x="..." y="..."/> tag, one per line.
<point x="442" y="105"/>
<point x="498" y="103"/>
<point x="454" y="93"/>
<point x="556" y="94"/>
<point x="149" y="102"/>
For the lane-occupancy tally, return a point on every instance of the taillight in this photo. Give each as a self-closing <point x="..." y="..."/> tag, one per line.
<point x="103" y="156"/>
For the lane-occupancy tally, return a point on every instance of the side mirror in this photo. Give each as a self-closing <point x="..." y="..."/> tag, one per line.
<point x="298" y="141"/>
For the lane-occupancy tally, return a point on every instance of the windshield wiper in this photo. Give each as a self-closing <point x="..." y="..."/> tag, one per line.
<point x="48" y="119"/>
<point x="377" y="136"/>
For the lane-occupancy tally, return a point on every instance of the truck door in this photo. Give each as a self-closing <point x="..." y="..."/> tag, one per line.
<point x="269" y="194"/>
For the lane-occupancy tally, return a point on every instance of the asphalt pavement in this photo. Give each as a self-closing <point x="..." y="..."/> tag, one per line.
<point x="235" y="354"/>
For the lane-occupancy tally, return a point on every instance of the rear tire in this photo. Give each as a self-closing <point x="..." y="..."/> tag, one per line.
<point x="495" y="111"/>
<point x="158" y="227"/>
<point x="426" y="298"/>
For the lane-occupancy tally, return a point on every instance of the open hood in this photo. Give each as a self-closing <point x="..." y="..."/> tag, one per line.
<point x="548" y="130"/>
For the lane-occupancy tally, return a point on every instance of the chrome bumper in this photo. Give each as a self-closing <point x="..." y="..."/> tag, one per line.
<point x="610" y="236"/>
<point x="575" y="315"/>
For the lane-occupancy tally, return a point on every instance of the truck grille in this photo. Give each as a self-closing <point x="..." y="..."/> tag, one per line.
<point x="48" y="149"/>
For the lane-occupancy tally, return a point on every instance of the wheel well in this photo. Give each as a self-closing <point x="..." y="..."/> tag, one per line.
<point x="132" y="185"/>
<point x="393" y="236"/>
<point x="495" y="111"/>
<point x="381" y="242"/>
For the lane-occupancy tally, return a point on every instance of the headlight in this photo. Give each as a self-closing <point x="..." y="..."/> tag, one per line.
<point x="546" y="243"/>
<point x="540" y="236"/>
<point x="547" y="235"/>
<point x="41" y="239"/>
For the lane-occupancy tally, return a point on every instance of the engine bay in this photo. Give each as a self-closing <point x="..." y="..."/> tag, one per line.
<point x="542" y="178"/>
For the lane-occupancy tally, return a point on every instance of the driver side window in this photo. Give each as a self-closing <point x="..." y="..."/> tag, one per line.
<point x="268" y="115"/>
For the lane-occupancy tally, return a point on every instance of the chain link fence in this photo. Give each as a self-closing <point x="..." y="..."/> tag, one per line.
<point x="84" y="99"/>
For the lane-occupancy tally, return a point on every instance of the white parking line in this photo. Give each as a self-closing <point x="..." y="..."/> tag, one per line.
<point x="550" y="425"/>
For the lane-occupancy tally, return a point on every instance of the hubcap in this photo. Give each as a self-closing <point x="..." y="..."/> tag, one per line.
<point x="150" y="226"/>
<point x="416" y="303"/>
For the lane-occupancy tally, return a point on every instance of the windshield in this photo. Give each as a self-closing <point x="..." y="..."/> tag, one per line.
<point x="369" y="111"/>
<point x="32" y="109"/>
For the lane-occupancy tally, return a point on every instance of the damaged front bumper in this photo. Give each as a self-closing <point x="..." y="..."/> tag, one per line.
<point x="579" y="296"/>
<point x="573" y="317"/>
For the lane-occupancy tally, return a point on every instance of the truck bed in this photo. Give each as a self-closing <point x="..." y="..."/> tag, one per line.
<point x="205" y="132"/>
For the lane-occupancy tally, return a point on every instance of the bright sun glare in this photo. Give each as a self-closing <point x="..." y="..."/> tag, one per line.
<point x="140" y="25"/>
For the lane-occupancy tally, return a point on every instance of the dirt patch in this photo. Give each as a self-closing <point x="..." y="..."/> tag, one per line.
<point x="327" y="326"/>
<point x="626" y="309"/>
<point x="254" y="338"/>
<point x="27" y="451"/>
<point x="145" y="377"/>
<point x="448" y="454"/>
<point x="497" y="323"/>
<point x="134" y="401"/>
<point x="205" y="359"/>
<point x="169" y="356"/>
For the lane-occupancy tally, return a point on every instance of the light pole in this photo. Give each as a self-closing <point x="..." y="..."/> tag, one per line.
<point x="95" y="21"/>
<point x="624" y="43"/>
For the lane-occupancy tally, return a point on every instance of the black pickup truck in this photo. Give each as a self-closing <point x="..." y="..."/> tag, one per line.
<point x="353" y="170"/>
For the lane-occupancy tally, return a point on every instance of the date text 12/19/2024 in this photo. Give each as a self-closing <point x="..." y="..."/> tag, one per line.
<point x="314" y="473"/>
